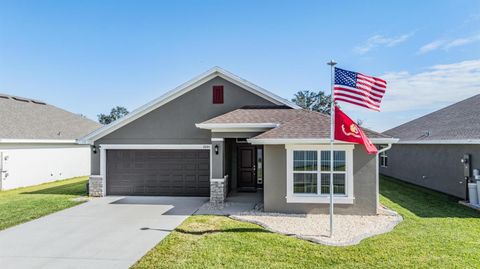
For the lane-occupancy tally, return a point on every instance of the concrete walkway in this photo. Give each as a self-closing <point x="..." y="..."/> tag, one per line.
<point x="236" y="202"/>
<point x="110" y="232"/>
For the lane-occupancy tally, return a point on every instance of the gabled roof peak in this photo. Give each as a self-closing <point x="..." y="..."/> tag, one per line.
<point x="182" y="89"/>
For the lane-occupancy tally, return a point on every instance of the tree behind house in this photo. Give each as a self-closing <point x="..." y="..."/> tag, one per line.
<point x="313" y="101"/>
<point x="115" y="114"/>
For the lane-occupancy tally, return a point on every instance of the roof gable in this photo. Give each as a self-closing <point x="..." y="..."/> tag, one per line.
<point x="179" y="91"/>
<point x="282" y="124"/>
<point x="460" y="121"/>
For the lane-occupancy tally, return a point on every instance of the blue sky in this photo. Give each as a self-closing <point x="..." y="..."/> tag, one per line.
<point x="88" y="56"/>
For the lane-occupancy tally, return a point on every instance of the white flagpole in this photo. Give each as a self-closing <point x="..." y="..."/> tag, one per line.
<point x="332" y="64"/>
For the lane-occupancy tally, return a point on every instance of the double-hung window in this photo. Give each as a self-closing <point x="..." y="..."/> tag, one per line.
<point x="309" y="169"/>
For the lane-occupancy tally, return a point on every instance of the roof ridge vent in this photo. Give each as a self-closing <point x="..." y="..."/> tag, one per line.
<point x="38" y="102"/>
<point x="20" y="99"/>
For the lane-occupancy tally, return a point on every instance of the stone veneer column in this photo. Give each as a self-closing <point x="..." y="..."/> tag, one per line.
<point x="218" y="182"/>
<point x="218" y="191"/>
<point x="95" y="186"/>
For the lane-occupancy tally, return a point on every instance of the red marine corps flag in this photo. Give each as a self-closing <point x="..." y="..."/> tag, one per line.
<point x="348" y="131"/>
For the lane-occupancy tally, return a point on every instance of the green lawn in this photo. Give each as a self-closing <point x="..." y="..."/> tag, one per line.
<point x="24" y="204"/>
<point x="436" y="233"/>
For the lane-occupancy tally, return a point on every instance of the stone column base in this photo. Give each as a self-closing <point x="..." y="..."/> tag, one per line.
<point x="95" y="186"/>
<point x="218" y="191"/>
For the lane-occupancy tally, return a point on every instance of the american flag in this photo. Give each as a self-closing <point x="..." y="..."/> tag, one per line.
<point x="358" y="89"/>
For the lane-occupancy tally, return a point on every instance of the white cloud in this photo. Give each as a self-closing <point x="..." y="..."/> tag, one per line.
<point x="431" y="46"/>
<point x="380" y="40"/>
<point x="462" y="41"/>
<point x="440" y="84"/>
<point x="448" y="44"/>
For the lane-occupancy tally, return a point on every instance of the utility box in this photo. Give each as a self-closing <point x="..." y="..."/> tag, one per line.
<point x="476" y="175"/>
<point x="466" y="166"/>
<point x="473" y="193"/>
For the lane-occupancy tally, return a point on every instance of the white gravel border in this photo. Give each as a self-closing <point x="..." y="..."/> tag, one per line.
<point x="314" y="228"/>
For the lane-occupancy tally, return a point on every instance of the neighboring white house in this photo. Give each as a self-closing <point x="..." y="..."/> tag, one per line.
<point x="38" y="143"/>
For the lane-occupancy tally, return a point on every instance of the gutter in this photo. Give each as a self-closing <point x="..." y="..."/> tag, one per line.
<point x="445" y="142"/>
<point x="377" y="175"/>
<point x="38" y="141"/>
<point x="281" y="141"/>
<point x="210" y="126"/>
<point x="385" y="149"/>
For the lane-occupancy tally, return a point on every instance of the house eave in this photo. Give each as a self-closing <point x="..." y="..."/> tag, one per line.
<point x="440" y="142"/>
<point x="236" y="127"/>
<point x="37" y="141"/>
<point x="282" y="141"/>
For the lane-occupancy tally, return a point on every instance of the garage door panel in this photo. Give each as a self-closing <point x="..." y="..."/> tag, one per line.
<point x="158" y="172"/>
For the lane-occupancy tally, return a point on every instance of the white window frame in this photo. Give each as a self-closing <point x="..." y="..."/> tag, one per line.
<point x="292" y="197"/>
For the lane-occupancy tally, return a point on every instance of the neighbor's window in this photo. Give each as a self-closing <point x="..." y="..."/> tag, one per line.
<point x="383" y="159"/>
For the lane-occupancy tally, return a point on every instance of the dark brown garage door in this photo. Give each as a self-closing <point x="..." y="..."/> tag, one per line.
<point x="158" y="172"/>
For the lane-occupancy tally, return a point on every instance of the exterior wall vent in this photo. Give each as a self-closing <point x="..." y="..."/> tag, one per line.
<point x="217" y="94"/>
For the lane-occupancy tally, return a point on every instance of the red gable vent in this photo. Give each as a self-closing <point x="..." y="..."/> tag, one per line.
<point x="218" y="94"/>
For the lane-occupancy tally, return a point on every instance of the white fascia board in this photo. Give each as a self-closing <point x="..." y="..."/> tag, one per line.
<point x="236" y="127"/>
<point x="155" y="146"/>
<point x="441" y="142"/>
<point x="178" y="91"/>
<point x="279" y="141"/>
<point x="384" y="140"/>
<point x="240" y="130"/>
<point x="38" y="141"/>
<point x="211" y="126"/>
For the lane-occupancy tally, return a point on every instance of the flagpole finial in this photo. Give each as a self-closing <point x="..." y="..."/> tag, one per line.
<point x="332" y="63"/>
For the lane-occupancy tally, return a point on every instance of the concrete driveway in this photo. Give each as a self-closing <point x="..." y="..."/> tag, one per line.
<point x="109" y="232"/>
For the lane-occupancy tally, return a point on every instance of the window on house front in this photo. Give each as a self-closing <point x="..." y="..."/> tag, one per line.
<point x="305" y="166"/>
<point x="383" y="159"/>
<point x="309" y="173"/>
<point x="217" y="94"/>
<point x="306" y="172"/>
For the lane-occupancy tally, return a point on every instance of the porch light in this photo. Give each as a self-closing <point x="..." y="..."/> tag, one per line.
<point x="94" y="149"/>
<point x="216" y="149"/>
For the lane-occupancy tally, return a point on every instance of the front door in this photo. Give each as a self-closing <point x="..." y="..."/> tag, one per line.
<point x="246" y="177"/>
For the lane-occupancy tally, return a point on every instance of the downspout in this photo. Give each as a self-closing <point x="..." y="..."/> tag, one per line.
<point x="378" y="173"/>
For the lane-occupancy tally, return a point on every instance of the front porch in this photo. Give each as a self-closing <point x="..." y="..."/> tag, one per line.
<point x="237" y="170"/>
<point x="234" y="203"/>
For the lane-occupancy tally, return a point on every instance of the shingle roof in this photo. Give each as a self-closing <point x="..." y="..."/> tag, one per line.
<point x="293" y="123"/>
<point x="257" y="116"/>
<point x="23" y="118"/>
<point x="456" y="122"/>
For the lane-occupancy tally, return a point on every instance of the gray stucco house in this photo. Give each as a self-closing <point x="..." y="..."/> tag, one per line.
<point x="219" y="134"/>
<point x="431" y="148"/>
